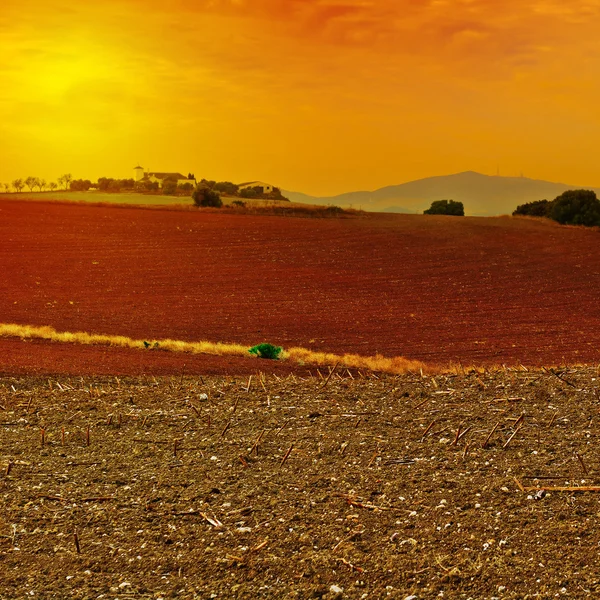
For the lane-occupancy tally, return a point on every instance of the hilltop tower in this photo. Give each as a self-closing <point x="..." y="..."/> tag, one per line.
<point x="139" y="173"/>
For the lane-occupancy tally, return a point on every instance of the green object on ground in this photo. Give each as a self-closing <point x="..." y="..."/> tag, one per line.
<point x="266" y="351"/>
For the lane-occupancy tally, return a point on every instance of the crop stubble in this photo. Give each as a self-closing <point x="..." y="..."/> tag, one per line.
<point x="270" y="487"/>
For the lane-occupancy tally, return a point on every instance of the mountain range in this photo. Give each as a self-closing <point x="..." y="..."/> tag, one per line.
<point x="482" y="195"/>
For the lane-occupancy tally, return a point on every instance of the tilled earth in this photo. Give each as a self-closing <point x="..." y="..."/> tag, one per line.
<point x="345" y="486"/>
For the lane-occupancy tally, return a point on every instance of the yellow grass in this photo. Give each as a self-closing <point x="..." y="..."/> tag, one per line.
<point x="396" y="365"/>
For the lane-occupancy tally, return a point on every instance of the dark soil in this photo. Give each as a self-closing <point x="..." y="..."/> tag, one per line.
<point x="430" y="288"/>
<point x="290" y="488"/>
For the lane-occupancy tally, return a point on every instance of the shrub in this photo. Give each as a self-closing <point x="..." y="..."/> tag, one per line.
<point x="539" y="208"/>
<point x="226" y="187"/>
<point x="576" y="207"/>
<point x="446" y="207"/>
<point x="238" y="203"/>
<point x="334" y="210"/>
<point x="573" y="207"/>
<point x="266" y="351"/>
<point x="204" y="196"/>
<point x="248" y="193"/>
<point x="169" y="188"/>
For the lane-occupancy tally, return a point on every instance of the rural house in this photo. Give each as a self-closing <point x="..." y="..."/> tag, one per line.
<point x="159" y="178"/>
<point x="266" y="187"/>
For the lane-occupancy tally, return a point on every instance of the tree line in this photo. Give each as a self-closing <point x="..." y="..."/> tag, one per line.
<point x="65" y="181"/>
<point x="170" y="187"/>
<point x="573" y="207"/>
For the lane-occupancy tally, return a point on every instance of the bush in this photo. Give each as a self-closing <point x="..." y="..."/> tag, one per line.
<point x="231" y="189"/>
<point x="238" y="203"/>
<point x="573" y="207"/>
<point x="248" y="193"/>
<point x="446" y="207"/>
<point x="334" y="210"/>
<point x="539" y="208"/>
<point x="266" y="351"/>
<point x="576" y="207"/>
<point x="169" y="188"/>
<point x="204" y="196"/>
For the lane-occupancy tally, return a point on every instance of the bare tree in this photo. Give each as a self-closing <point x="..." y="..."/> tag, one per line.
<point x="30" y="182"/>
<point x="40" y="183"/>
<point x="18" y="184"/>
<point x="65" y="180"/>
<point x="52" y="185"/>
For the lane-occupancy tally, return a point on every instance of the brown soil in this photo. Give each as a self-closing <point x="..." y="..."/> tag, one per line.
<point x="436" y="289"/>
<point x="177" y="495"/>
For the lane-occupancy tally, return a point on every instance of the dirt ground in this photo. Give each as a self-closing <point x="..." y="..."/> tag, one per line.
<point x="436" y="289"/>
<point x="360" y="486"/>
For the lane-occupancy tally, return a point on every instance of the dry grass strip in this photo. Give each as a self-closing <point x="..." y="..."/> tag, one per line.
<point x="395" y="365"/>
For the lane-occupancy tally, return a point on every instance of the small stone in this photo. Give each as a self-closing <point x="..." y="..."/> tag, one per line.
<point x="336" y="589"/>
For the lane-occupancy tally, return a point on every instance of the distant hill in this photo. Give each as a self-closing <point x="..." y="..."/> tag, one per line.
<point x="482" y="195"/>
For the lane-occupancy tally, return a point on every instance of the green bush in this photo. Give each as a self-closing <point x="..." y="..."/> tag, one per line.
<point x="539" y="208"/>
<point x="204" y="196"/>
<point x="446" y="207"/>
<point x="169" y="188"/>
<point x="573" y="207"/>
<point x="266" y="351"/>
<point x="576" y="207"/>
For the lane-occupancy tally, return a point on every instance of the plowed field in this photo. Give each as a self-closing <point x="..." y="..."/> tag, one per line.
<point x="436" y="289"/>
<point x="388" y="487"/>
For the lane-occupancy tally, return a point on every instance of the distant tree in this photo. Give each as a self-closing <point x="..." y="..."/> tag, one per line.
<point x="538" y="208"/>
<point x="191" y="176"/>
<point x="204" y="196"/>
<point x="169" y="187"/>
<point x="114" y="185"/>
<point x="209" y="183"/>
<point x="226" y="187"/>
<point x="146" y="186"/>
<point x="576" y="207"/>
<point x="40" y="183"/>
<point x="52" y="185"/>
<point x="65" y="180"/>
<point x="18" y="184"/>
<point x="80" y="185"/>
<point x="276" y="195"/>
<point x="30" y="183"/>
<point x="186" y="187"/>
<point x="6" y="186"/>
<point x="573" y="207"/>
<point x="446" y="207"/>
<point x="128" y="184"/>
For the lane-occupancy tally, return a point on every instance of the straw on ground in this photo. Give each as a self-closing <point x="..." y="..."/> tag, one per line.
<point x="395" y="365"/>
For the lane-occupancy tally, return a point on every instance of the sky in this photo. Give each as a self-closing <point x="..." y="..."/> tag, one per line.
<point x="317" y="96"/>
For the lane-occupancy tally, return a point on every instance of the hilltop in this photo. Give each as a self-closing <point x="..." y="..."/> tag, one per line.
<point x="482" y="195"/>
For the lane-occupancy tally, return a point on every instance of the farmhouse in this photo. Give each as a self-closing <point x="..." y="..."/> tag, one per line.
<point x="266" y="187"/>
<point x="156" y="177"/>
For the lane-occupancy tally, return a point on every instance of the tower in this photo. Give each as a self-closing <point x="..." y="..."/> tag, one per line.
<point x="139" y="173"/>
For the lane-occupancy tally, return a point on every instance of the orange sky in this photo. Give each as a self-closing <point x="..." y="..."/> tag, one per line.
<point x="320" y="96"/>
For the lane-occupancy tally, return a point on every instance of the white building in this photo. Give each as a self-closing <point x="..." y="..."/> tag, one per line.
<point x="159" y="178"/>
<point x="267" y="187"/>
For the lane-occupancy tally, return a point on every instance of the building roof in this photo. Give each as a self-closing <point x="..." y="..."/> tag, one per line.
<point x="165" y="175"/>
<point x="261" y="183"/>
